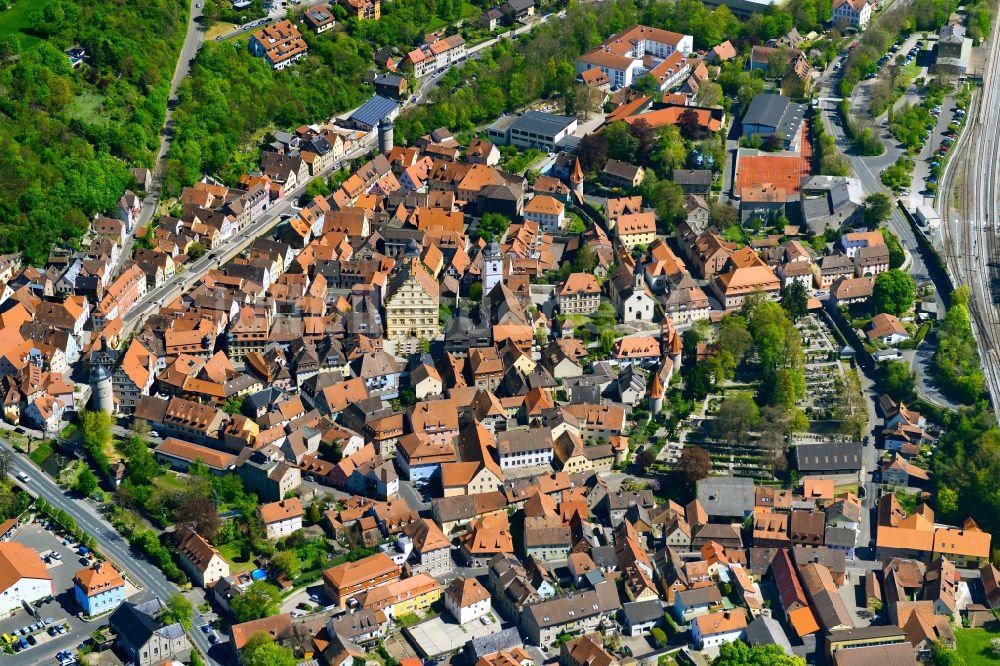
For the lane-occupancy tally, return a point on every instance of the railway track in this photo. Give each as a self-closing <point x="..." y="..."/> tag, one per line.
<point x="969" y="219"/>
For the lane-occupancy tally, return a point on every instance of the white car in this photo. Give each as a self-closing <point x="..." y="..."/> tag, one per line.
<point x="24" y="477"/>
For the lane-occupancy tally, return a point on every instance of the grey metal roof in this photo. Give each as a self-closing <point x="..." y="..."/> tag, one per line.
<point x="726" y="495"/>
<point x="692" y="176"/>
<point x="637" y="612"/>
<point x="767" y="631"/>
<point x="493" y="643"/>
<point x="952" y="34"/>
<point x="374" y="110"/>
<point x="519" y="5"/>
<point x="777" y="111"/>
<point x="840" y="536"/>
<point x="387" y="79"/>
<point x="699" y="596"/>
<point x="545" y="124"/>
<point x="829" y="457"/>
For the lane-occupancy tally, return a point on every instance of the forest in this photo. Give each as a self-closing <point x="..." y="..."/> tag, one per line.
<point x="69" y="135"/>
<point x="232" y="99"/>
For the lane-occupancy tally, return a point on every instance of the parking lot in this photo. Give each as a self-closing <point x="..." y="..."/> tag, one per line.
<point x="62" y="563"/>
<point x="440" y="636"/>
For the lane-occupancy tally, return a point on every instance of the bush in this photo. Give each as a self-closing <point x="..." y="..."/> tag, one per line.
<point x="659" y="636"/>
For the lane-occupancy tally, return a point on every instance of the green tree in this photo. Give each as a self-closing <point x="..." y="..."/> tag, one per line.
<point x="621" y="143"/>
<point x="737" y="415"/>
<point x="584" y="261"/>
<point x="606" y="341"/>
<point x="739" y="653"/>
<point x="318" y="187"/>
<point x="95" y="429"/>
<point x="896" y="255"/>
<point x="893" y="292"/>
<point x="196" y="659"/>
<point x="896" y="379"/>
<point x="9" y="46"/>
<point x="699" y="382"/>
<point x="287" y="562"/>
<point x="196" y="251"/>
<point x="86" y="482"/>
<point x="795" y="300"/>
<point x="734" y="337"/>
<point x="493" y="225"/>
<point x="946" y="501"/>
<point x="233" y="405"/>
<point x="142" y="467"/>
<point x="313" y="514"/>
<point x="261" y="650"/>
<point x="942" y="655"/>
<point x="956" y="362"/>
<point x="260" y="599"/>
<point x="658" y="636"/>
<point x="878" y="208"/>
<point x="178" y="609"/>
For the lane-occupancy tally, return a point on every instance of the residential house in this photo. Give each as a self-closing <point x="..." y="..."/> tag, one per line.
<point x="851" y="14"/>
<point x="98" y="588"/>
<point x="467" y="600"/>
<point x="715" y="629"/>
<point x="888" y="329"/>
<point x="281" y="518"/>
<point x="689" y="604"/>
<point x="201" y="560"/>
<point x="142" y="639"/>
<point x="26" y="579"/>
<point x="280" y="44"/>
<point x="578" y="612"/>
<point x="622" y="174"/>
<point x="345" y="582"/>
<point x="635" y="229"/>
<point x="431" y="549"/>
<point x="578" y="294"/>
<point x="402" y="597"/>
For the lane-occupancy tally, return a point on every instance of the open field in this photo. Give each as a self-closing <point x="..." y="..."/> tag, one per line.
<point x="15" y="20"/>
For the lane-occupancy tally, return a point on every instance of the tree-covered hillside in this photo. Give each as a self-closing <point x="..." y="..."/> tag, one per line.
<point x="69" y="135"/>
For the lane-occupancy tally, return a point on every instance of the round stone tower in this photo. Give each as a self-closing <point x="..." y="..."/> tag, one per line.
<point x="385" y="135"/>
<point x="103" y="395"/>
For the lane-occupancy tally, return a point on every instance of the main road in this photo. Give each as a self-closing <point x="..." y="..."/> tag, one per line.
<point x="111" y="544"/>
<point x="193" y="39"/>
<point x="225" y="252"/>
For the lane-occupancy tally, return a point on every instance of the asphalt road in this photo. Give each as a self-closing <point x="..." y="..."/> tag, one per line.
<point x="192" y="42"/>
<point x="109" y="542"/>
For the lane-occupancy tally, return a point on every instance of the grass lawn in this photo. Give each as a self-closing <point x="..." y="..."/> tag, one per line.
<point x="576" y="225"/>
<point x="40" y="452"/>
<point x="217" y="29"/>
<point x="88" y="108"/>
<point x="973" y="645"/>
<point x="734" y="234"/>
<point x="231" y="553"/>
<point x="848" y="488"/>
<point x="15" y="19"/>
<point x="170" y="481"/>
<point x="910" y="71"/>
